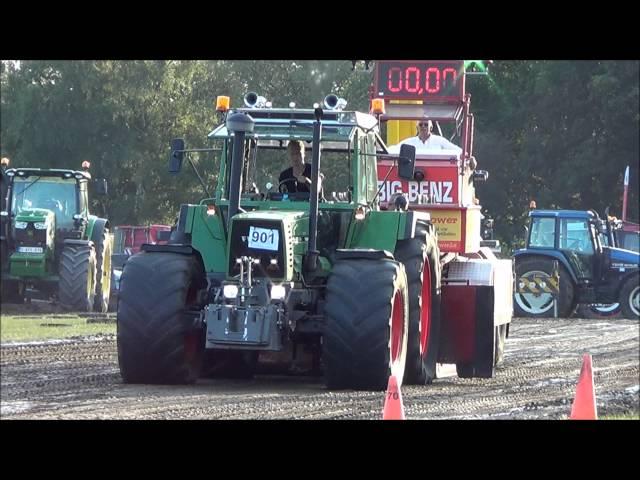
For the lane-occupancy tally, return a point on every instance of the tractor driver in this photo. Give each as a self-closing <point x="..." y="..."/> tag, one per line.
<point x="46" y="200"/>
<point x="425" y="139"/>
<point x="297" y="178"/>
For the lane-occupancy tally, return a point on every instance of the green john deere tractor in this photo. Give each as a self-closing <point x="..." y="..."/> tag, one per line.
<point x="267" y="279"/>
<point x="51" y="247"/>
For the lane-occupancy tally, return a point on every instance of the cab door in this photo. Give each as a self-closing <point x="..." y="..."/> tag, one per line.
<point x="577" y="243"/>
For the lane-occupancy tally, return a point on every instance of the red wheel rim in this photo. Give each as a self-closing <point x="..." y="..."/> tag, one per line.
<point x="397" y="326"/>
<point x="425" y="310"/>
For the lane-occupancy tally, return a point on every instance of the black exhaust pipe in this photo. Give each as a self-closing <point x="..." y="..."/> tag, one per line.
<point x="311" y="260"/>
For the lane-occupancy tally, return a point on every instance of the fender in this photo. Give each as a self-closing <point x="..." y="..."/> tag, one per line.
<point x="548" y="254"/>
<point x="96" y="229"/>
<point x="175" y="248"/>
<point x="70" y="241"/>
<point x="412" y="217"/>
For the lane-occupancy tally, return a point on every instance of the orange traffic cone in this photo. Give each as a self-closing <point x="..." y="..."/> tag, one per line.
<point x="393" y="408"/>
<point x="584" y="405"/>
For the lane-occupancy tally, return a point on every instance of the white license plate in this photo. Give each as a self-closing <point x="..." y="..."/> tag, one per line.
<point x="30" y="249"/>
<point x="263" y="238"/>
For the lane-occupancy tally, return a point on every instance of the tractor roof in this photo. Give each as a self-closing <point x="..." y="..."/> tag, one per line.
<point x="564" y="213"/>
<point x="49" y="172"/>
<point x="292" y="123"/>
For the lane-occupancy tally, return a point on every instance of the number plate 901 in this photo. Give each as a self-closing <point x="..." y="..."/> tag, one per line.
<point x="263" y="238"/>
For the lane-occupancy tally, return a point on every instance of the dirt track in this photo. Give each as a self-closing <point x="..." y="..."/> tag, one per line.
<point x="79" y="379"/>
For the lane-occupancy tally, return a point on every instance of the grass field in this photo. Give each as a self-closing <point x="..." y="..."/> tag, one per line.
<point x="42" y="327"/>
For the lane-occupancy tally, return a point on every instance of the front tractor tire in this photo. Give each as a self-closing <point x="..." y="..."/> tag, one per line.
<point x="77" y="286"/>
<point x="540" y="305"/>
<point x="630" y="298"/>
<point x="365" y="339"/>
<point x="159" y="339"/>
<point x="421" y="259"/>
<point x="103" y="272"/>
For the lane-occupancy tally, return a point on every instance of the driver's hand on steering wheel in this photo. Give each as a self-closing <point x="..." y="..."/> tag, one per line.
<point x="302" y="179"/>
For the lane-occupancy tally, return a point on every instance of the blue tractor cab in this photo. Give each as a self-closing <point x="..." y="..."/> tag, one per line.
<point x="590" y="270"/>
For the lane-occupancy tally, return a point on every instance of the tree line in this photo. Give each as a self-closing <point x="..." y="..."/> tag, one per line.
<point x="557" y="132"/>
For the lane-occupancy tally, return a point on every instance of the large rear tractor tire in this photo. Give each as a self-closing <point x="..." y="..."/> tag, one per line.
<point x="630" y="298"/>
<point x="367" y="310"/>
<point x="77" y="287"/>
<point x="421" y="259"/>
<point x="599" y="310"/>
<point x="159" y="338"/>
<point x="540" y="305"/>
<point x="103" y="276"/>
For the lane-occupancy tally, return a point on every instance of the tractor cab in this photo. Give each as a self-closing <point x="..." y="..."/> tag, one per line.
<point x="347" y="186"/>
<point x="346" y="135"/>
<point x="60" y="193"/>
<point x="577" y="235"/>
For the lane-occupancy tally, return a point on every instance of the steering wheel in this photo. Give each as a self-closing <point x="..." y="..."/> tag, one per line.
<point x="282" y="184"/>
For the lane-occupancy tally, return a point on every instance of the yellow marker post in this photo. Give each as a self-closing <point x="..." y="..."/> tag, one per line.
<point x="398" y="130"/>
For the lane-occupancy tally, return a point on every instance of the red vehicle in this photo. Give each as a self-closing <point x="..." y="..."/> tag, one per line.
<point x="476" y="287"/>
<point x="129" y="239"/>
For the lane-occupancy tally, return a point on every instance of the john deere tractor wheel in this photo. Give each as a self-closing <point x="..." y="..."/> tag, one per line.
<point x="421" y="259"/>
<point x="365" y="339"/>
<point x="77" y="287"/>
<point x="103" y="283"/>
<point x="630" y="298"/>
<point x="540" y="304"/>
<point x="159" y="338"/>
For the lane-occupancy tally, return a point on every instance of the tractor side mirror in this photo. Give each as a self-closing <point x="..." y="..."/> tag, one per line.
<point x="101" y="186"/>
<point x="177" y="155"/>
<point x="407" y="162"/>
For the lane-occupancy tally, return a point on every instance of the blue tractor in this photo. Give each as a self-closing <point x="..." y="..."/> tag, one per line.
<point x="590" y="271"/>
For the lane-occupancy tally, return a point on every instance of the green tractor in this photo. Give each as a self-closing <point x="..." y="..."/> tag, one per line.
<point x="51" y="247"/>
<point x="258" y="279"/>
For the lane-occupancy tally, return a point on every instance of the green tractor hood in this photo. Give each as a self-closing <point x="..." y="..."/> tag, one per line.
<point x="270" y="239"/>
<point x="35" y="235"/>
<point x="36" y="215"/>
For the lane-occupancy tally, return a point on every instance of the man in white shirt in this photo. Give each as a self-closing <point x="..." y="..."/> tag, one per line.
<point x="427" y="140"/>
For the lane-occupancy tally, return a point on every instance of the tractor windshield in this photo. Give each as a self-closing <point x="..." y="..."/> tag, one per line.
<point x="267" y="172"/>
<point x="51" y="193"/>
<point x="543" y="231"/>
